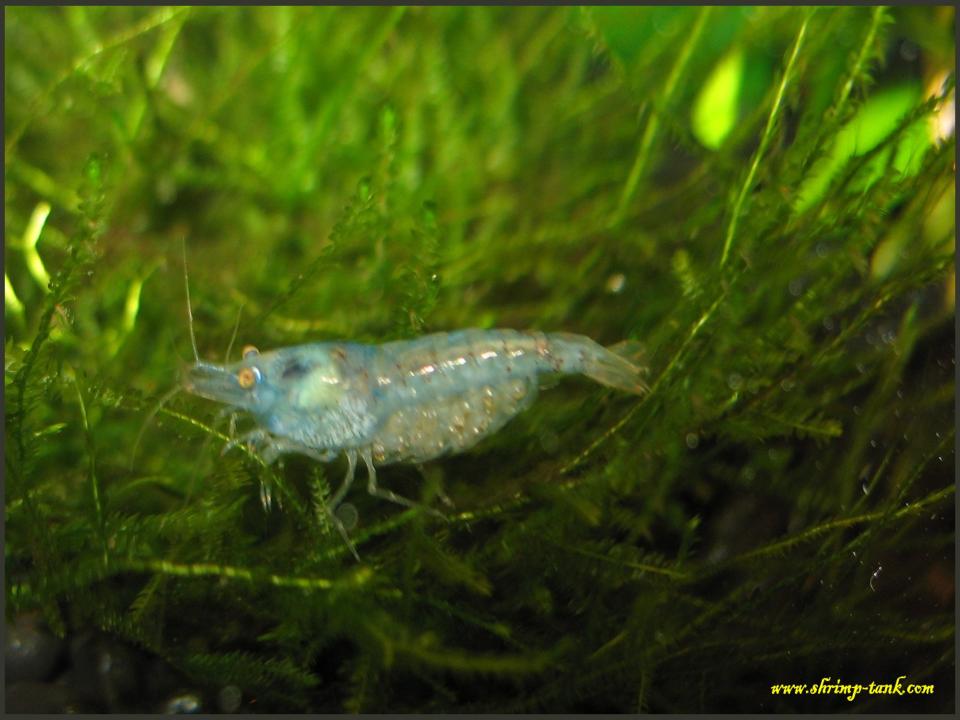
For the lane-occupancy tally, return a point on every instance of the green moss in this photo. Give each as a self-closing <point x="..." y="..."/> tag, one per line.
<point x="776" y="510"/>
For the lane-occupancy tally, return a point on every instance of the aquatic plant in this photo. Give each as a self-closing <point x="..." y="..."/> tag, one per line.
<point x="762" y="197"/>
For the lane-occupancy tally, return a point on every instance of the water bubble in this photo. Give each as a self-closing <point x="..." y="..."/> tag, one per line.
<point x="909" y="51"/>
<point x="821" y="250"/>
<point x="550" y="442"/>
<point x="734" y="381"/>
<point x="828" y="323"/>
<point x="692" y="440"/>
<point x="787" y="384"/>
<point x="616" y="283"/>
<point x="873" y="578"/>
<point x="796" y="287"/>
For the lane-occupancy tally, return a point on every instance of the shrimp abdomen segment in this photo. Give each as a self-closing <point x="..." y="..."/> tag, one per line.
<point x="437" y="366"/>
<point x="417" y="432"/>
<point x="443" y="393"/>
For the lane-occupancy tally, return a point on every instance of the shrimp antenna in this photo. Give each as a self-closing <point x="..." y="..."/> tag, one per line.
<point x="148" y="420"/>
<point x="186" y="285"/>
<point x="236" y="326"/>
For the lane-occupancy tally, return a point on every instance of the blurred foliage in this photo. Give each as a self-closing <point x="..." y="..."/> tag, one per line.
<point x="778" y="509"/>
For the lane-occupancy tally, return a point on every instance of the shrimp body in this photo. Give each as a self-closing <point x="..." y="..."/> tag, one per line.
<point x="410" y="400"/>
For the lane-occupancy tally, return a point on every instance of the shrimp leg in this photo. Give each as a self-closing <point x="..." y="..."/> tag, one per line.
<point x="270" y="447"/>
<point x="338" y="496"/>
<point x="385" y="494"/>
<point x="278" y="446"/>
<point x="253" y="440"/>
<point x="347" y="481"/>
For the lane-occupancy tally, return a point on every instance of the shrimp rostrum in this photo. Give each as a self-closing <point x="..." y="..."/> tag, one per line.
<point x="411" y="400"/>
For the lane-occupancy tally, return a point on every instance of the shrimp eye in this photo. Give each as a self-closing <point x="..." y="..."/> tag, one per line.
<point x="248" y="377"/>
<point x="249" y="350"/>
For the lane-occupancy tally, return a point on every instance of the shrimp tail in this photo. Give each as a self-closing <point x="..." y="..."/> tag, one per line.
<point x="613" y="367"/>
<point x="617" y="366"/>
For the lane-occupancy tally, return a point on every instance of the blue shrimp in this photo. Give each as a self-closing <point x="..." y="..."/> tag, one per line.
<point x="408" y="400"/>
<point x="411" y="400"/>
